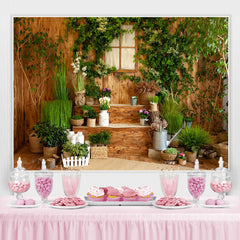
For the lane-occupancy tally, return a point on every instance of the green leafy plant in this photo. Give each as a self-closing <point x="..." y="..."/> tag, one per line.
<point x="92" y="89"/>
<point x="51" y="136"/>
<point x="106" y="92"/>
<point x="79" y="150"/>
<point x="171" y="151"/>
<point x="77" y="117"/>
<point x="188" y="119"/>
<point x="57" y="112"/>
<point x="92" y="113"/>
<point x="86" y="108"/>
<point x="101" y="138"/>
<point x="39" y="128"/>
<point x="153" y="99"/>
<point x="194" y="138"/>
<point x="104" y="103"/>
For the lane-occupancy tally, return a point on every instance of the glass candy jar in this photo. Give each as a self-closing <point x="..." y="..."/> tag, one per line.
<point x="196" y="182"/>
<point x="221" y="180"/>
<point x="44" y="182"/>
<point x="71" y="182"/>
<point x="19" y="180"/>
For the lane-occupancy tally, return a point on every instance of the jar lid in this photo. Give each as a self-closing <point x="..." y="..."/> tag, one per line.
<point x="19" y="170"/>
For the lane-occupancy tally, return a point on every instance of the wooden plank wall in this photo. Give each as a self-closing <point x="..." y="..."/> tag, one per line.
<point x="24" y="116"/>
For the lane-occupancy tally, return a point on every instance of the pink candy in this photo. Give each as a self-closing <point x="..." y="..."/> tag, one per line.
<point x="25" y="202"/>
<point x="196" y="186"/>
<point x="221" y="187"/>
<point x="44" y="186"/>
<point x="172" y="201"/>
<point x="19" y="187"/>
<point x="75" y="201"/>
<point x="215" y="202"/>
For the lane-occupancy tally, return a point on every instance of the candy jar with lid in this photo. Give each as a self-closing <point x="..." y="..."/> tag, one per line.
<point x="44" y="182"/>
<point x="19" y="180"/>
<point x="221" y="180"/>
<point x="196" y="182"/>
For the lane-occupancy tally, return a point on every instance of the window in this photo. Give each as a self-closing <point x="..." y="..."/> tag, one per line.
<point x="123" y="51"/>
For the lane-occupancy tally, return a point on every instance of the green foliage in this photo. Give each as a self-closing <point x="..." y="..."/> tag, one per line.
<point x="79" y="150"/>
<point x="77" y="117"/>
<point x="174" y="121"/>
<point x="154" y="99"/>
<point x="39" y="128"/>
<point x="86" y="108"/>
<point x="106" y="92"/>
<point x="79" y="84"/>
<point x="102" y="137"/>
<point x="51" y="136"/>
<point x="57" y="112"/>
<point x="171" y="151"/>
<point x="92" y="89"/>
<point x="194" y="137"/>
<point x="60" y="89"/>
<point x="92" y="113"/>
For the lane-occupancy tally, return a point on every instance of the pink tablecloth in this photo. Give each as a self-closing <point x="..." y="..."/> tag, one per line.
<point x="117" y="223"/>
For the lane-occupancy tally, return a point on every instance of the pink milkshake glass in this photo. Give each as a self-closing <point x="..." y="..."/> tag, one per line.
<point x="71" y="182"/>
<point x="169" y="183"/>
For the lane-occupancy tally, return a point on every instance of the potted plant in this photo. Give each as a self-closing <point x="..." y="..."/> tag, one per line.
<point x="144" y="116"/>
<point x="77" y="120"/>
<point x="153" y="102"/>
<point x="78" y="150"/>
<point x="85" y="109"/>
<point x="91" y="117"/>
<point x="104" y="115"/>
<point x="193" y="139"/>
<point x="78" y="81"/>
<point x="134" y="100"/>
<point x="187" y="122"/>
<point x="92" y="92"/>
<point x="182" y="159"/>
<point x="99" y="142"/>
<point x="51" y="137"/>
<point x="106" y="92"/>
<point x="147" y="89"/>
<point x="169" y="155"/>
<point x="35" y="144"/>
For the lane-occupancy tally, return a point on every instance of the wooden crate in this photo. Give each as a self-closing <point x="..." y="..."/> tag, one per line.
<point x="99" y="152"/>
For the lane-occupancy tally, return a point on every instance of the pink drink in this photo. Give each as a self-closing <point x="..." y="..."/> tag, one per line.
<point x="169" y="185"/>
<point x="70" y="185"/>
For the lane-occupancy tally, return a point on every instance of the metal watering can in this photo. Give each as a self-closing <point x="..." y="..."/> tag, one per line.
<point x="160" y="141"/>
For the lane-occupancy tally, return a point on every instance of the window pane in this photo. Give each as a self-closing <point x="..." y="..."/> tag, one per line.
<point x="127" y="58"/>
<point x="128" y="38"/>
<point x="112" y="58"/>
<point x="115" y="43"/>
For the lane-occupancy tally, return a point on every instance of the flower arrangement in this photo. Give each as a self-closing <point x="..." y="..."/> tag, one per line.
<point x="158" y="125"/>
<point x="80" y="73"/>
<point x="104" y="103"/>
<point x="182" y="155"/>
<point x="106" y="92"/>
<point x="143" y="114"/>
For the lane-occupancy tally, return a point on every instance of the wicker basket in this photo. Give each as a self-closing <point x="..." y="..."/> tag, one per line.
<point x="191" y="157"/>
<point x="91" y="122"/>
<point x="49" y="151"/>
<point x="34" y="143"/>
<point x="168" y="157"/>
<point x="99" y="152"/>
<point x="154" y="107"/>
<point x="77" y="122"/>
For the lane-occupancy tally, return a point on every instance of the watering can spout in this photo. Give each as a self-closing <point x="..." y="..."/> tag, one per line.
<point x="168" y="142"/>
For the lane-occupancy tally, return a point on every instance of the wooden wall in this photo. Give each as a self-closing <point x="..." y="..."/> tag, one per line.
<point x="24" y="113"/>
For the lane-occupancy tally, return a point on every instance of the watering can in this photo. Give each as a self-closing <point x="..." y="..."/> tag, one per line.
<point x="160" y="141"/>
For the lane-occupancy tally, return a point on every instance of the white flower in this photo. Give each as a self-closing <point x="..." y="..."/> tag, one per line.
<point x="84" y="68"/>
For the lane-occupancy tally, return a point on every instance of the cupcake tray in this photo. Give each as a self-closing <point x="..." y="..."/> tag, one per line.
<point x="120" y="203"/>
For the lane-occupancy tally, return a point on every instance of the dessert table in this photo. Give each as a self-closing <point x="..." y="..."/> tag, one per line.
<point x="119" y="222"/>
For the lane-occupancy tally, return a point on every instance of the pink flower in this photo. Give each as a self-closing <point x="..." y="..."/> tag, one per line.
<point x="104" y="89"/>
<point x="140" y="110"/>
<point x="164" y="123"/>
<point x="108" y="89"/>
<point x="182" y="154"/>
<point x="146" y="112"/>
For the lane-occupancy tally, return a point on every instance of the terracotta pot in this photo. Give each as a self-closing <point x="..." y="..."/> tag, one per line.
<point x="34" y="143"/>
<point x="143" y="98"/>
<point x="89" y="100"/>
<point x="77" y="122"/>
<point x="191" y="156"/>
<point x="154" y="107"/>
<point x="80" y="98"/>
<point x="91" y="122"/>
<point x="168" y="157"/>
<point x="182" y="161"/>
<point x="49" y="151"/>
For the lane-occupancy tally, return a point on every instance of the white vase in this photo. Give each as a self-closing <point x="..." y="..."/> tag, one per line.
<point x="104" y="118"/>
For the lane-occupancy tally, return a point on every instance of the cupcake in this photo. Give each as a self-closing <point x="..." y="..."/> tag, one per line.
<point x="113" y="194"/>
<point x="105" y="189"/>
<point x="144" y="193"/>
<point x="95" y="194"/>
<point x="129" y="194"/>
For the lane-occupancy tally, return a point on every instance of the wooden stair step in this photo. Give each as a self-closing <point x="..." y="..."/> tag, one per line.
<point x="118" y="113"/>
<point x="126" y="139"/>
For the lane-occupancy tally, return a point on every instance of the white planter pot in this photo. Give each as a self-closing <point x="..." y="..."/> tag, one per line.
<point x="104" y="118"/>
<point x="143" y="121"/>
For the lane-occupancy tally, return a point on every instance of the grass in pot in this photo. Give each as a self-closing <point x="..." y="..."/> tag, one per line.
<point x="91" y="118"/>
<point x="77" y="120"/>
<point x="170" y="154"/>
<point x="153" y="102"/>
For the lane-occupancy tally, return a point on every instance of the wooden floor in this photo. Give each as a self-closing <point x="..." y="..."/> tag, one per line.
<point x="31" y="162"/>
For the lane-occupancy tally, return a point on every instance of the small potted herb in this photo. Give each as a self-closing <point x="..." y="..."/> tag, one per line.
<point x="92" y="92"/>
<point x="170" y="154"/>
<point x="77" y="120"/>
<point x="144" y="116"/>
<point x="79" y="150"/>
<point x="99" y="142"/>
<point x="85" y="109"/>
<point x="91" y="117"/>
<point x="134" y="100"/>
<point x="153" y="102"/>
<point x="182" y="159"/>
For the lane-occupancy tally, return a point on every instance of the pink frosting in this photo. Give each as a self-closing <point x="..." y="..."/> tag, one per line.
<point x="113" y="192"/>
<point x="144" y="191"/>
<point x="129" y="193"/>
<point x="95" y="191"/>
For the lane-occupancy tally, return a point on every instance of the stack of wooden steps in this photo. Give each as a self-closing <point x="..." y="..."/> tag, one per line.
<point x="128" y="138"/>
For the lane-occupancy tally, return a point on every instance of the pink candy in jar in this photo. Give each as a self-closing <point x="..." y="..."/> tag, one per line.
<point x="19" y="187"/>
<point x="221" y="187"/>
<point x="196" y="186"/>
<point x="44" y="186"/>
